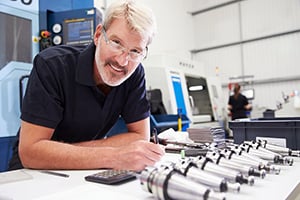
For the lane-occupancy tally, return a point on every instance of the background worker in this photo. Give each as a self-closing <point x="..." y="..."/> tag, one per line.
<point x="238" y="104"/>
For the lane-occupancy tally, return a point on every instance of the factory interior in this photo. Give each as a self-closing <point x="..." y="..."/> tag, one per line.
<point x="202" y="50"/>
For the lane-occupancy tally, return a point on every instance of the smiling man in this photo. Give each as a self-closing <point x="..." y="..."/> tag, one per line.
<point x="75" y="94"/>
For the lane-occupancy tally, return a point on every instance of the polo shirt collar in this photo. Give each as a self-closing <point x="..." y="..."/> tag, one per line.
<point x="84" y="72"/>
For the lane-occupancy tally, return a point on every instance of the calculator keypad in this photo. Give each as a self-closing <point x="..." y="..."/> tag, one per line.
<point x="111" y="176"/>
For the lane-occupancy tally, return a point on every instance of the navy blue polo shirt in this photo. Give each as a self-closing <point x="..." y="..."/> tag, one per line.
<point x="61" y="94"/>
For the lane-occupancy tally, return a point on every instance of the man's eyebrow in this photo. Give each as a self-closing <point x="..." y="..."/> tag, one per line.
<point x="115" y="37"/>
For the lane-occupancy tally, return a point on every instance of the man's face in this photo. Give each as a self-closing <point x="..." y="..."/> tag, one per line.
<point x="115" y="50"/>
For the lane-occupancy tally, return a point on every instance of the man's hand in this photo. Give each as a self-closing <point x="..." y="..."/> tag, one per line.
<point x="137" y="155"/>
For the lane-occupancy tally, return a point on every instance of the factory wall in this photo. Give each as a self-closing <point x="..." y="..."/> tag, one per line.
<point x="175" y="34"/>
<point x="258" y="38"/>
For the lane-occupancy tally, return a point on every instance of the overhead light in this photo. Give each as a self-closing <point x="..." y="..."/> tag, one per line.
<point x="196" y="88"/>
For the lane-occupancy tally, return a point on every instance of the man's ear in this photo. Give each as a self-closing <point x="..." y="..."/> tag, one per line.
<point x="97" y="34"/>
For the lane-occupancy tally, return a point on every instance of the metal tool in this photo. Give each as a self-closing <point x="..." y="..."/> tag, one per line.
<point x="232" y="175"/>
<point x="166" y="184"/>
<point x="247" y="170"/>
<point x="190" y="170"/>
<point x="245" y="158"/>
<point x="266" y="154"/>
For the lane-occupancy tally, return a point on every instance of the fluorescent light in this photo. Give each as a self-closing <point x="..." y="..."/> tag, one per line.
<point x="196" y="88"/>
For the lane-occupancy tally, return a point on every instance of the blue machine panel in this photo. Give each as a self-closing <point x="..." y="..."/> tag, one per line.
<point x="176" y="81"/>
<point x="58" y="6"/>
<point x="73" y="27"/>
<point x="178" y="93"/>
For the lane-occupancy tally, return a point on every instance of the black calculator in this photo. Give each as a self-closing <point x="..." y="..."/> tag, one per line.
<point x="111" y="177"/>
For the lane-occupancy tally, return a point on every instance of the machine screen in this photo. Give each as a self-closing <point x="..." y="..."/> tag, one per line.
<point x="249" y="93"/>
<point x="78" y="31"/>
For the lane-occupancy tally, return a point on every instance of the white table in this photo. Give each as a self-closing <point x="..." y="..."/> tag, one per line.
<point x="40" y="186"/>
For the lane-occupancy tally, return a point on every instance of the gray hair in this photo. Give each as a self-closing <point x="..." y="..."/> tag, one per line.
<point x="139" y="17"/>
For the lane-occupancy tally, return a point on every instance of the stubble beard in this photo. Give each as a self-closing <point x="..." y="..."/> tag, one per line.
<point x="108" y="77"/>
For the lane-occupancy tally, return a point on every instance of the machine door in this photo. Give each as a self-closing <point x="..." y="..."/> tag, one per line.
<point x="199" y="99"/>
<point x="15" y="39"/>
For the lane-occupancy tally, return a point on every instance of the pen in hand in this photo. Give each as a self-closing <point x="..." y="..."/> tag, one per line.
<point x="154" y="132"/>
<point x="55" y="173"/>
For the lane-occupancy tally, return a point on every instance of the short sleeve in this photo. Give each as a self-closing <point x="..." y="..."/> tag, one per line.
<point x="42" y="104"/>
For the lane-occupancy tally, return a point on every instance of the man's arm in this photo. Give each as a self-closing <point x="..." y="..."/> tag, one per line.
<point x="130" y="151"/>
<point x="248" y="106"/>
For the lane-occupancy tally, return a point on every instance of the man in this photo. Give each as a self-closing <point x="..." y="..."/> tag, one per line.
<point x="76" y="94"/>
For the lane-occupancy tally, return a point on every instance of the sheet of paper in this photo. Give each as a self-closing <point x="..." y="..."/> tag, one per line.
<point x="88" y="192"/>
<point x="13" y="176"/>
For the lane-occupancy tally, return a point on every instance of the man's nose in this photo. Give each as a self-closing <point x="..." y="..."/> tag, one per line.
<point x="123" y="58"/>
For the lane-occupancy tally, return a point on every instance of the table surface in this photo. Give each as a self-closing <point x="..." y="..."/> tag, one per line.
<point x="28" y="184"/>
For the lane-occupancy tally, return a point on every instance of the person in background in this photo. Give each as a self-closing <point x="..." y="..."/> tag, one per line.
<point x="75" y="94"/>
<point x="238" y="104"/>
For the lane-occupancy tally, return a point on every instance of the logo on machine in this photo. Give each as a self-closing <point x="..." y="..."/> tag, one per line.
<point x="27" y="5"/>
<point x="25" y="2"/>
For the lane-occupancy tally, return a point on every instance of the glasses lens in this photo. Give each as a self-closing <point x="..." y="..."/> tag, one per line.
<point x="119" y="49"/>
<point x="116" y="47"/>
<point x="135" y="56"/>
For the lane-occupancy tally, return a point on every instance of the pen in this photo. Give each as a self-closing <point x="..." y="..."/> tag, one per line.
<point x="55" y="173"/>
<point x="155" y="136"/>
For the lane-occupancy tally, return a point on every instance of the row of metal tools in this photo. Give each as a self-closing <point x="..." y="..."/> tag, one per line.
<point x="220" y="170"/>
